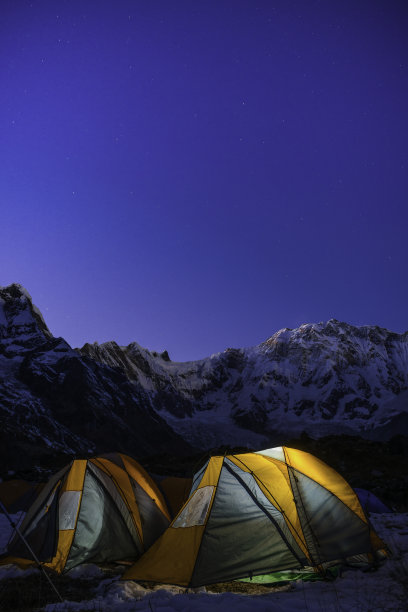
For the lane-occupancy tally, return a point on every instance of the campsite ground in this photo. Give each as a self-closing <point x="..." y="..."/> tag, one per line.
<point x="91" y="588"/>
<point x="379" y="467"/>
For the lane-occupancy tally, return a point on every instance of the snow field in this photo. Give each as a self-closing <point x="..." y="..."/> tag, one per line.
<point x="385" y="589"/>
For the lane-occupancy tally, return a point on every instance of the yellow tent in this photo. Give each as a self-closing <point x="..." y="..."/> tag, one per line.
<point x="255" y="513"/>
<point x="102" y="509"/>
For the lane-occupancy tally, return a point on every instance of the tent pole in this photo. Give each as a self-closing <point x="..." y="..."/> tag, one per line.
<point x="34" y="556"/>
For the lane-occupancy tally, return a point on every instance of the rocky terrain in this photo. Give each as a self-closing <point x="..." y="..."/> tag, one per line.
<point x="54" y="401"/>
<point x="319" y="379"/>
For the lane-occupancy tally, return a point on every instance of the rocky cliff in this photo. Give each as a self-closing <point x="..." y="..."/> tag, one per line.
<point x="322" y="379"/>
<point x="326" y="378"/>
<point x="55" y="400"/>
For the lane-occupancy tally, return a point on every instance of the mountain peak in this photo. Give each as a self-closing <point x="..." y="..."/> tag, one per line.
<point x="22" y="325"/>
<point x="329" y="329"/>
<point x="319" y="378"/>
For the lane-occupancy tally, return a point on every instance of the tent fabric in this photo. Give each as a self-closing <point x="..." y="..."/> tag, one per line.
<point x="96" y="510"/>
<point x="256" y="513"/>
<point x="101" y="532"/>
<point x="139" y="474"/>
<point x="153" y="521"/>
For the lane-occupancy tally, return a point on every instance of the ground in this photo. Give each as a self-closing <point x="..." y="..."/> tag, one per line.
<point x="89" y="587"/>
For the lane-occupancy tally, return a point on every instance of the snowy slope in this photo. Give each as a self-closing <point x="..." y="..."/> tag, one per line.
<point x="320" y="378"/>
<point x="385" y="589"/>
<point x="53" y="400"/>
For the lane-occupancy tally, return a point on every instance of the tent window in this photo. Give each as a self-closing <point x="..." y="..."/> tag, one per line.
<point x="68" y="509"/>
<point x="274" y="453"/>
<point x="196" y="510"/>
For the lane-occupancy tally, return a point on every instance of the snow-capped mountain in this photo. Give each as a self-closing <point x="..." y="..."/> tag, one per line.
<point x="325" y="378"/>
<point x="52" y="399"/>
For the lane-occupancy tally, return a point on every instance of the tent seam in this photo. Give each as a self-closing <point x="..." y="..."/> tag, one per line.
<point x="243" y="483"/>
<point x="336" y="496"/>
<point x="207" y="519"/>
<point x="278" y="506"/>
<point x="366" y="523"/>
<point x="124" y="500"/>
<point x="77" y="516"/>
<point x="96" y="461"/>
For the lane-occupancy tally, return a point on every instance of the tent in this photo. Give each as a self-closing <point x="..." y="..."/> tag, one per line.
<point x="255" y="513"/>
<point x="101" y="510"/>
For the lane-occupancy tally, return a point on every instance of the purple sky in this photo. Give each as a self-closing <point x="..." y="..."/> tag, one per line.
<point x="197" y="175"/>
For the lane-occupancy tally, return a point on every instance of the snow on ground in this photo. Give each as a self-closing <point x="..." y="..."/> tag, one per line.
<point x="385" y="589"/>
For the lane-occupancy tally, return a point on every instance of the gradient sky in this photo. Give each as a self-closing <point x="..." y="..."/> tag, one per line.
<point x="197" y="175"/>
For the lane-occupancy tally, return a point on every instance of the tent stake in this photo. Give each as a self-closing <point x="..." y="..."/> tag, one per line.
<point x="34" y="556"/>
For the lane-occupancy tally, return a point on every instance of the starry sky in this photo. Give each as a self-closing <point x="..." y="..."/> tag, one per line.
<point x="197" y="175"/>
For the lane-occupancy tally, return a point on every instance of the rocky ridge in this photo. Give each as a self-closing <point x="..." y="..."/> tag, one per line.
<point x="54" y="400"/>
<point x="321" y="379"/>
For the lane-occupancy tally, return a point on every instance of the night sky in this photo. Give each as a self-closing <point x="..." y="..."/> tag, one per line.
<point x="196" y="175"/>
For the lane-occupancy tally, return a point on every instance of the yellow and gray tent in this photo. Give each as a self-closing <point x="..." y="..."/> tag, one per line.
<point x="255" y="513"/>
<point x="98" y="510"/>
